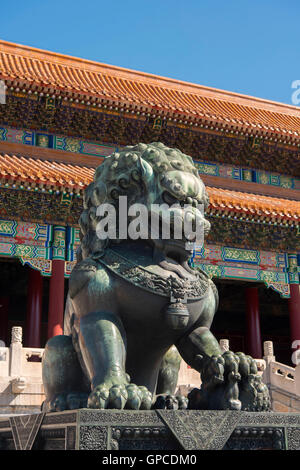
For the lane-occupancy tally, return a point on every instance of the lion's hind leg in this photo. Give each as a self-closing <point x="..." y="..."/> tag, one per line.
<point x="64" y="382"/>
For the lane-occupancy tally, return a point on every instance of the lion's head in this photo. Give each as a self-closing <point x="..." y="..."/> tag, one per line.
<point x="147" y="174"/>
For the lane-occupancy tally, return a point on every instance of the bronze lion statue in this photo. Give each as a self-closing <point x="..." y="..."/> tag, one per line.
<point x="131" y="301"/>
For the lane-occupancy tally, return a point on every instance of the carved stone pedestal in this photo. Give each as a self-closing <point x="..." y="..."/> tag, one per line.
<point x="160" y="430"/>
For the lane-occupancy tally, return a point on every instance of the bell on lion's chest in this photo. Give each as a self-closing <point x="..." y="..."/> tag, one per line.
<point x="177" y="316"/>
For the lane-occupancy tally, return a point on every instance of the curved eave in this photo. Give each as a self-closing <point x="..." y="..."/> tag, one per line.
<point x="36" y="174"/>
<point x="31" y="70"/>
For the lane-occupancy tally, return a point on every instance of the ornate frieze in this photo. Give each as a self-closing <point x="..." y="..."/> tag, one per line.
<point x="107" y="129"/>
<point x="254" y="265"/>
<point x="37" y="244"/>
<point x="59" y="242"/>
<point x="252" y="235"/>
<point x="77" y="145"/>
<point x="25" y="239"/>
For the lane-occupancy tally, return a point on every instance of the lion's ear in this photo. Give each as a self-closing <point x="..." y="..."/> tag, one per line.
<point x="146" y="170"/>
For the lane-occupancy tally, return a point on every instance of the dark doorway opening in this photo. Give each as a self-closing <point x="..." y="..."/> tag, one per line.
<point x="230" y="319"/>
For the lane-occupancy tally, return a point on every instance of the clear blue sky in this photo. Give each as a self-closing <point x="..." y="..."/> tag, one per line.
<point x="246" y="46"/>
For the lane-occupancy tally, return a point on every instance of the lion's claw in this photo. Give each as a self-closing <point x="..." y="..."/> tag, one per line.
<point x="99" y="398"/>
<point x="146" y="398"/>
<point x="67" y="401"/>
<point x="171" y="402"/>
<point x="128" y="396"/>
<point x="134" y="397"/>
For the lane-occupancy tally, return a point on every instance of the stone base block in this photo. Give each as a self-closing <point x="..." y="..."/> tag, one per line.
<point x="160" y="430"/>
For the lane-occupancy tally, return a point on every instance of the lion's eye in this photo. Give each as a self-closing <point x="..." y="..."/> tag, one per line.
<point x="169" y="199"/>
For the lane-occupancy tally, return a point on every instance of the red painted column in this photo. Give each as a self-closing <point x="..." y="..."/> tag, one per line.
<point x="294" y="312"/>
<point x="56" y="298"/>
<point x="253" y="333"/>
<point x="34" y="309"/>
<point x="57" y="282"/>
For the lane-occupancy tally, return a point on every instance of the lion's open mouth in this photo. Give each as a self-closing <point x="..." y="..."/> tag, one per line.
<point x="176" y="251"/>
<point x="172" y="255"/>
<point x="175" y="256"/>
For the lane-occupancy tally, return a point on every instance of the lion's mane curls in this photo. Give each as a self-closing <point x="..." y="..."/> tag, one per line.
<point x="123" y="174"/>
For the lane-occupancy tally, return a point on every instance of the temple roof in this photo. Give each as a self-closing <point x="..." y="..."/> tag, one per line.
<point x="33" y="70"/>
<point x="31" y="173"/>
<point x="264" y="207"/>
<point x="44" y="173"/>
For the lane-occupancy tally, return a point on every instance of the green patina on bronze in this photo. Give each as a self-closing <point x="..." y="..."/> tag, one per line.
<point x="135" y="307"/>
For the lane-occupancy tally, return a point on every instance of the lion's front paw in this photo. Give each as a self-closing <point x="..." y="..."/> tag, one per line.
<point x="128" y="396"/>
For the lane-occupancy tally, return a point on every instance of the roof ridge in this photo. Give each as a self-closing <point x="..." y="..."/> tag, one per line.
<point x="150" y="79"/>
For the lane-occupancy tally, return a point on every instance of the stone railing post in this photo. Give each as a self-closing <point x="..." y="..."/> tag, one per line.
<point x="224" y="344"/>
<point x="269" y="358"/>
<point x="16" y="346"/>
<point x="18" y="383"/>
<point x="269" y="352"/>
